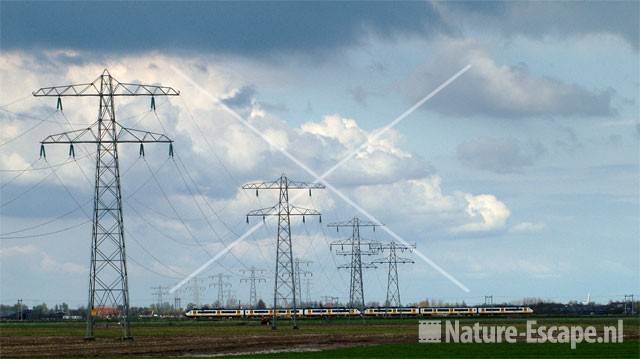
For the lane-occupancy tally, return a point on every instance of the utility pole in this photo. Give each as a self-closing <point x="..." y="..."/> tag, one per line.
<point x="284" y="284"/>
<point x="220" y="281"/>
<point x="196" y="291"/>
<point x="393" y="287"/>
<point x="356" y="287"/>
<point x="108" y="282"/>
<point x="488" y="300"/>
<point x="302" y="272"/>
<point x="176" y="303"/>
<point x="254" y="277"/>
<point x="159" y="292"/>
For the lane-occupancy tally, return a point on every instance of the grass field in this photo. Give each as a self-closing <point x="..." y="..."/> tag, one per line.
<point x="374" y="338"/>
<point x="519" y="350"/>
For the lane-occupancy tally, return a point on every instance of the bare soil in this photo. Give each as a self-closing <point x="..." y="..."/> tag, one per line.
<point x="66" y="346"/>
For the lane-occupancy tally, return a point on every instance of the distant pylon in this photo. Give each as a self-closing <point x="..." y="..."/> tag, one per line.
<point x="159" y="293"/>
<point x="220" y="281"/>
<point x="254" y="277"/>
<point x="393" y="287"/>
<point x="196" y="291"/>
<point x="302" y="272"/>
<point x="284" y="286"/>
<point x="356" y="286"/>
<point x="108" y="282"/>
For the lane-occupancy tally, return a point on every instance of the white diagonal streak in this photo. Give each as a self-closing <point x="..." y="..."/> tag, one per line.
<point x="216" y="257"/>
<point x="321" y="178"/>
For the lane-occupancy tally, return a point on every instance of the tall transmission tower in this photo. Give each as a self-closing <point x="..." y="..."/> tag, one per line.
<point x="220" y="281"/>
<point x="108" y="282"/>
<point x="301" y="271"/>
<point x="177" y="305"/>
<point x="284" y="287"/>
<point x="254" y="277"/>
<point x="159" y="293"/>
<point x="356" y="251"/>
<point x="393" y="287"/>
<point x="196" y="291"/>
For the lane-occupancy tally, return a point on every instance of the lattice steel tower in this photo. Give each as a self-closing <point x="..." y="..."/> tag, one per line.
<point x="254" y="277"/>
<point x="196" y="291"/>
<point x="301" y="271"/>
<point x="393" y="287"/>
<point x="356" y="286"/>
<point x="284" y="287"/>
<point x="108" y="284"/>
<point x="220" y="281"/>
<point x="159" y="292"/>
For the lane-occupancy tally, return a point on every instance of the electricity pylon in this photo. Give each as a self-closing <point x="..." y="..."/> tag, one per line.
<point x="329" y="301"/>
<point x="254" y="277"/>
<point x="220" y="282"/>
<point x="356" y="287"/>
<point x="393" y="287"/>
<point x="284" y="286"/>
<point x="159" y="293"/>
<point x="108" y="282"/>
<point x="196" y="291"/>
<point x="302" y="272"/>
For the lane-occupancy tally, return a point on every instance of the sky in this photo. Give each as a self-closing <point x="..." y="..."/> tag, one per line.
<point x="519" y="178"/>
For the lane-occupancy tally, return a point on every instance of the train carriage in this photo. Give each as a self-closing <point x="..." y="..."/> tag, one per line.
<point x="221" y="313"/>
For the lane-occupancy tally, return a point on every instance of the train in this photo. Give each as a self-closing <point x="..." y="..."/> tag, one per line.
<point x="337" y="312"/>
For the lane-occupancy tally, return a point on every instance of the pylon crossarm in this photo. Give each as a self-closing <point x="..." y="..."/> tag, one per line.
<point x="129" y="89"/>
<point x="130" y="135"/>
<point x="90" y="89"/>
<point x="269" y="211"/>
<point x="364" y="266"/>
<point x="299" y="211"/>
<point x="304" y="185"/>
<point x="351" y="223"/>
<point x="94" y="89"/>
<point x="86" y="135"/>
<point x="276" y="185"/>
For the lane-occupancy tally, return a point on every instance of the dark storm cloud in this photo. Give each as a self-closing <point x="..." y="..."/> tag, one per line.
<point x="250" y="28"/>
<point x="555" y="18"/>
